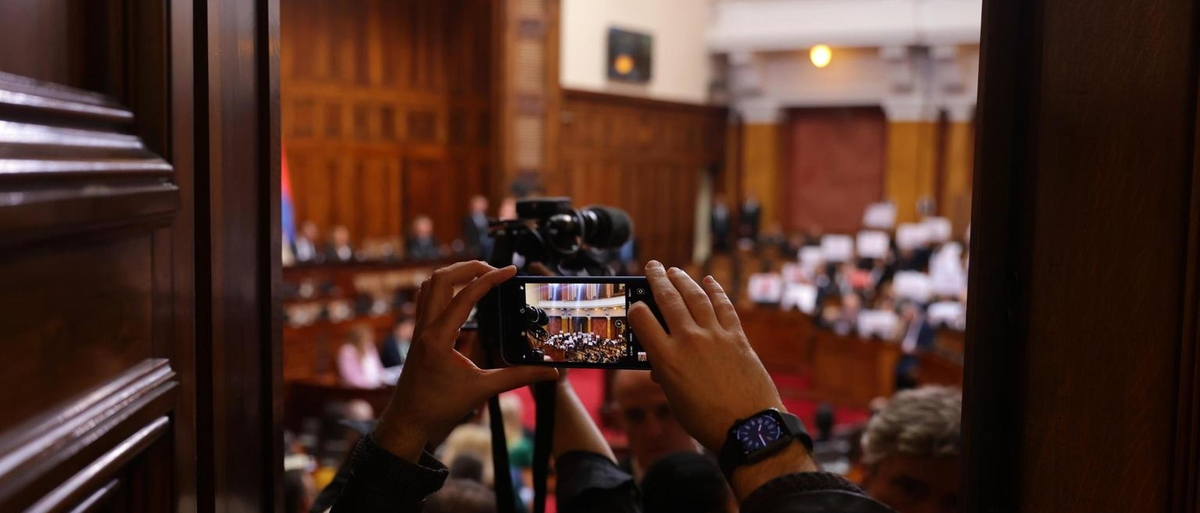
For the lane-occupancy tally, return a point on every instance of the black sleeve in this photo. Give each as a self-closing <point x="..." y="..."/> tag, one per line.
<point x="811" y="492"/>
<point x="381" y="481"/>
<point x="588" y="482"/>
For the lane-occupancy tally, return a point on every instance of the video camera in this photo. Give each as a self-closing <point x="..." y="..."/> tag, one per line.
<point x="567" y="240"/>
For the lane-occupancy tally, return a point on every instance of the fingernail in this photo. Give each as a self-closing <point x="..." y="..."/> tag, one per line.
<point x="655" y="263"/>
<point x="709" y="280"/>
<point x="674" y="270"/>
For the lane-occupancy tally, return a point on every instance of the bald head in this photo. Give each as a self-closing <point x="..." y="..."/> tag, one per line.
<point x="646" y="418"/>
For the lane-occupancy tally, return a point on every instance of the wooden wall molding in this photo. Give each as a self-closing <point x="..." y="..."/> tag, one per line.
<point x="1186" y="489"/>
<point x="92" y="486"/>
<point x="68" y="163"/>
<point x="71" y="436"/>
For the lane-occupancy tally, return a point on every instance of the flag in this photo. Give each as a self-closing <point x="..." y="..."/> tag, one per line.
<point x="287" y="210"/>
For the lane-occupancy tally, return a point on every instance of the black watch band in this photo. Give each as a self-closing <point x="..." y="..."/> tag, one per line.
<point x="734" y="454"/>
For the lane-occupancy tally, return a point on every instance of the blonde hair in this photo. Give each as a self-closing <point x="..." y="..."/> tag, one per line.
<point x="470" y="440"/>
<point x="921" y="422"/>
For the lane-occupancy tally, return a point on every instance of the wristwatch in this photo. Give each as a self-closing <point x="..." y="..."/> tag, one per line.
<point x="756" y="437"/>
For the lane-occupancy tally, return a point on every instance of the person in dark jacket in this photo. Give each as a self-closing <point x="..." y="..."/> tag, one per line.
<point x="475" y="229"/>
<point x="421" y="244"/>
<point x="710" y="390"/>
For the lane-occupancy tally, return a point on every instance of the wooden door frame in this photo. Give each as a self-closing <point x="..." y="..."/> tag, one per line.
<point x="1010" y="137"/>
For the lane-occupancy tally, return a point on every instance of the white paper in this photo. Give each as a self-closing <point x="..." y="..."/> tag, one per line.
<point x="878" y="323"/>
<point x="880" y="215"/>
<point x="799" y="295"/>
<point x="837" y="248"/>
<point x="911" y="236"/>
<point x="938" y="229"/>
<point x="810" y="257"/>
<point x="912" y="285"/>
<point x="765" y="288"/>
<point x="872" y="244"/>
<point x="793" y="273"/>
<point x="947" y="313"/>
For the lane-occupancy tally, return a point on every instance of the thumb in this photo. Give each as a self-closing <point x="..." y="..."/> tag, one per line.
<point x="649" y="332"/>
<point x="503" y="380"/>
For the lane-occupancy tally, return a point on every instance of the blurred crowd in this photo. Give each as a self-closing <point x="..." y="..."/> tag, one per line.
<point x="905" y="455"/>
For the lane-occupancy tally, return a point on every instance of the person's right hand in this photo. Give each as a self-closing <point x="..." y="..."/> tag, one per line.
<point x="705" y="365"/>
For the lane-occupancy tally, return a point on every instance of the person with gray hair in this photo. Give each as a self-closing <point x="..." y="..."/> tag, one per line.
<point x="911" y="451"/>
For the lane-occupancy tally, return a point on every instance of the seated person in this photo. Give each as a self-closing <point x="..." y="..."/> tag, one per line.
<point x="304" y="248"/>
<point x="686" y="482"/>
<point x="462" y="496"/>
<point x="358" y="360"/>
<point x="395" y="348"/>
<point x="645" y="416"/>
<point x="339" y="249"/>
<point x="421" y="245"/>
<point x="911" y="449"/>
<point x="712" y="392"/>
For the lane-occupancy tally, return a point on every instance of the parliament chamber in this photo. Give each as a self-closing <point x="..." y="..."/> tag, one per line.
<point x="959" y="240"/>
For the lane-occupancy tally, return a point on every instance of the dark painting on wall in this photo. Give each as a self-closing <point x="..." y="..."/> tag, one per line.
<point x="629" y="55"/>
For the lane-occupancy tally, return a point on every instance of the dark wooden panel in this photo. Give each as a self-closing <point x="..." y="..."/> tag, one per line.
<point x="368" y="85"/>
<point x="77" y="43"/>
<point x="239" y="322"/>
<point x="644" y="156"/>
<point x="833" y="167"/>
<point x="1075" y="344"/>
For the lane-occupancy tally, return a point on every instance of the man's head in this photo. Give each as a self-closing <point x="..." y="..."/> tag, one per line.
<point x="423" y="227"/>
<point x="646" y="418"/>
<point x="341" y="235"/>
<point x="686" y="482"/>
<point x="479" y="205"/>
<point x="309" y="229"/>
<point x="911" y="449"/>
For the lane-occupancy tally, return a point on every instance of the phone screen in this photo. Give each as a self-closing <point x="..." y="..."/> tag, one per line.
<point x="573" y="322"/>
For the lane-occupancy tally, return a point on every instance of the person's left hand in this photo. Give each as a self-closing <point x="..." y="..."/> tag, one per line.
<point x="439" y="386"/>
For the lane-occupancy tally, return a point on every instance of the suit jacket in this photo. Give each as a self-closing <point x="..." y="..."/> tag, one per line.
<point x="475" y="236"/>
<point x="422" y="249"/>
<point x="751" y="215"/>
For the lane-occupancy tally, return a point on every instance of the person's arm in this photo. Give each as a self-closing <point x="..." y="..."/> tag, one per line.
<point x="588" y="479"/>
<point x="712" y="378"/>
<point x="439" y="386"/>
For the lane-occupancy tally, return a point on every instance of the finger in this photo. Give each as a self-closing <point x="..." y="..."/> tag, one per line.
<point x="460" y="307"/>
<point x="421" y="320"/>
<point x="496" y="381"/>
<point x="722" y="306"/>
<point x="649" y="332"/>
<point x="694" y="298"/>
<point x="443" y="281"/>
<point x="667" y="297"/>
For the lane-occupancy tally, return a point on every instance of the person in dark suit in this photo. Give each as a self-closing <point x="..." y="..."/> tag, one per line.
<point x="750" y="218"/>
<point x="395" y="349"/>
<point x="720" y="224"/>
<point x="339" y="248"/>
<point x="918" y="336"/>
<point x="475" y="229"/>
<point x="304" y="248"/>
<point x="421" y="245"/>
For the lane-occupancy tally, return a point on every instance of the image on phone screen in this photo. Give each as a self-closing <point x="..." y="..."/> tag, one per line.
<point x="573" y="322"/>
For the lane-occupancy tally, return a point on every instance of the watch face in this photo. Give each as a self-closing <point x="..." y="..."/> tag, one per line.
<point x="758" y="432"/>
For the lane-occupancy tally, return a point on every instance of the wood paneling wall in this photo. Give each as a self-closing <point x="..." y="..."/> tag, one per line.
<point x="386" y="111"/>
<point x="644" y="156"/>
<point x="833" y="167"/>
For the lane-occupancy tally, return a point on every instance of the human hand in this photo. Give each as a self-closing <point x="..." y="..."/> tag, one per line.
<point x="439" y="386"/>
<point x="705" y="365"/>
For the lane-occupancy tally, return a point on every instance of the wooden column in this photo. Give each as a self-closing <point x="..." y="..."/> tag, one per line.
<point x="958" y="154"/>
<point x="760" y="169"/>
<point x="911" y="164"/>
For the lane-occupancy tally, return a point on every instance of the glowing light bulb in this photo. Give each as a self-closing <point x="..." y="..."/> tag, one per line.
<point x="820" y="55"/>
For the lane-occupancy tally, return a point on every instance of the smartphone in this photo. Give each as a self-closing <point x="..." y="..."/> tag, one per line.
<point x="573" y="321"/>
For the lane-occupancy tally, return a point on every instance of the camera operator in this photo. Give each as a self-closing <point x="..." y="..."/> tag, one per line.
<point x="710" y="374"/>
